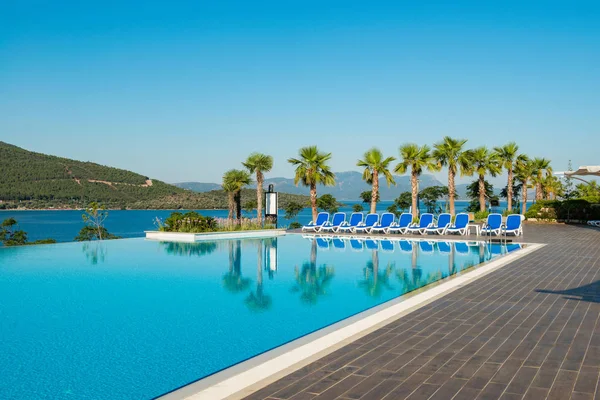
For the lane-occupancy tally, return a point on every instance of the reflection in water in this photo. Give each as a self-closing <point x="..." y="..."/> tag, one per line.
<point x="311" y="281"/>
<point x="415" y="278"/>
<point x="189" y="249"/>
<point x="94" y="251"/>
<point x="375" y="281"/>
<point x="259" y="300"/>
<point x="233" y="279"/>
<point x="270" y="256"/>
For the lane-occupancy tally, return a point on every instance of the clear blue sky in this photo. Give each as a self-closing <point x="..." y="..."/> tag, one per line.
<point x="183" y="91"/>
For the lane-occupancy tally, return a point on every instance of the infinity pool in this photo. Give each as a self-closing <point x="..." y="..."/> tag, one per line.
<point x="134" y="319"/>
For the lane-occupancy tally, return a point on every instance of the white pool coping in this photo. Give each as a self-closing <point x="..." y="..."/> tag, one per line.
<point x="197" y="237"/>
<point x="249" y="376"/>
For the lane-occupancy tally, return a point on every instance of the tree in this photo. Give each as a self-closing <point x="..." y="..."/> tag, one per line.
<point x="516" y="193"/>
<point x="93" y="217"/>
<point x="541" y="166"/>
<point x="415" y="159"/>
<point x="233" y="182"/>
<point x="312" y="169"/>
<point x="292" y="209"/>
<point x="430" y="197"/>
<point x="327" y="203"/>
<point x="553" y="187"/>
<point x="473" y="193"/>
<point x="484" y="162"/>
<point x="10" y="235"/>
<point x="569" y="192"/>
<point x="374" y="164"/>
<point x="507" y="155"/>
<point x="357" y="208"/>
<point x="450" y="153"/>
<point x="367" y="196"/>
<point x="258" y="164"/>
<point x="524" y="169"/>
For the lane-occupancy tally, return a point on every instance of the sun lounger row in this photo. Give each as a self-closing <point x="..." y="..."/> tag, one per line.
<point x="427" y="224"/>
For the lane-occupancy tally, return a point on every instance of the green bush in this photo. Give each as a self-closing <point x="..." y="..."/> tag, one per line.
<point x="189" y="222"/>
<point x="295" y="225"/>
<point x="576" y="209"/>
<point x="481" y="215"/>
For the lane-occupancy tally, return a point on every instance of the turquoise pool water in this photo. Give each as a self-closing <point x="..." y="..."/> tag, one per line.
<point x="134" y="319"/>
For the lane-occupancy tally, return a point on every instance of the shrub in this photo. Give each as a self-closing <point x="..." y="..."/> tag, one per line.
<point x="189" y="222"/>
<point x="481" y="215"/>
<point x="295" y="225"/>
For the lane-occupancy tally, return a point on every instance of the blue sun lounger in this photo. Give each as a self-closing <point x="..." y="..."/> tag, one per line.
<point x="461" y="222"/>
<point x="493" y="225"/>
<point x="403" y="223"/>
<point x="322" y="219"/>
<point x="513" y="225"/>
<point x="338" y="219"/>
<point x="387" y="219"/>
<point x="425" y="222"/>
<point x="443" y="223"/>
<point x="370" y="221"/>
<point x="355" y="220"/>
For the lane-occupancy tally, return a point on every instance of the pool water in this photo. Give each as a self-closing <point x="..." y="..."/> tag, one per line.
<point x="134" y="319"/>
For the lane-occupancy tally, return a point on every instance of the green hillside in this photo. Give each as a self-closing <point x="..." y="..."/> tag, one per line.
<point x="35" y="180"/>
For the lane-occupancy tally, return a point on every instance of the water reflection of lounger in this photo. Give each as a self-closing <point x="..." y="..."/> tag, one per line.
<point x="356" y="245"/>
<point x="387" y="246"/>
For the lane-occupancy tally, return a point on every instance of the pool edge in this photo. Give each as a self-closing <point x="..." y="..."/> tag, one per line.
<point x="251" y="375"/>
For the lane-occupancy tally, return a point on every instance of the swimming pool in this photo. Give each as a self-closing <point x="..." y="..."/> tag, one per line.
<point x="135" y="319"/>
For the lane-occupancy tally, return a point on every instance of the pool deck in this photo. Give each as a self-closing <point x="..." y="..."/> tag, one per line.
<point x="529" y="330"/>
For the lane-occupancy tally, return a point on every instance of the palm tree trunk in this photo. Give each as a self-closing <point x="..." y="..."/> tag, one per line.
<point x="313" y="200"/>
<point x="524" y="192"/>
<point x="375" y="191"/>
<point x="413" y="183"/>
<point x="238" y="205"/>
<point x="259" y="264"/>
<point x="481" y="193"/>
<point x="259" y="196"/>
<point x="509" y="188"/>
<point x="231" y="203"/>
<point x="451" y="191"/>
<point x="539" y="195"/>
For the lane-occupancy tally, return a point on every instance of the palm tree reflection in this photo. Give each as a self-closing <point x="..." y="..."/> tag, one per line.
<point x="259" y="300"/>
<point x="375" y="281"/>
<point x="416" y="279"/>
<point x="233" y="279"/>
<point x="312" y="281"/>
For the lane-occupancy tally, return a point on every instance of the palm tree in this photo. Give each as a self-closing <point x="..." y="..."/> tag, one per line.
<point x="233" y="182"/>
<point x="552" y="187"/>
<point x="484" y="162"/>
<point x="375" y="164"/>
<point x="508" y="156"/>
<point x="524" y="170"/>
<point x="312" y="169"/>
<point x="541" y="166"/>
<point x="450" y="153"/>
<point x="416" y="159"/>
<point x="259" y="164"/>
<point x="230" y="189"/>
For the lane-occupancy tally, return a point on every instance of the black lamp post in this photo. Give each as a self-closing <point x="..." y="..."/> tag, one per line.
<point x="271" y="205"/>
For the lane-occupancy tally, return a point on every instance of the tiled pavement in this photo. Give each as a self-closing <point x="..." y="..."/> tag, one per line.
<point x="530" y="330"/>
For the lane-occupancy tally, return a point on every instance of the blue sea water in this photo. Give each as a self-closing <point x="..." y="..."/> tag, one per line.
<point x="133" y="319"/>
<point x="63" y="226"/>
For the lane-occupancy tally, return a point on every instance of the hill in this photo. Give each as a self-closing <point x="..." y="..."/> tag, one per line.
<point x="348" y="186"/>
<point x="35" y="180"/>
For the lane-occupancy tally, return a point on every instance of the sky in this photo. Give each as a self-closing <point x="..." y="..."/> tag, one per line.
<point x="183" y="91"/>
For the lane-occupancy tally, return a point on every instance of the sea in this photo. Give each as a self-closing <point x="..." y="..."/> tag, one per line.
<point x="64" y="225"/>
